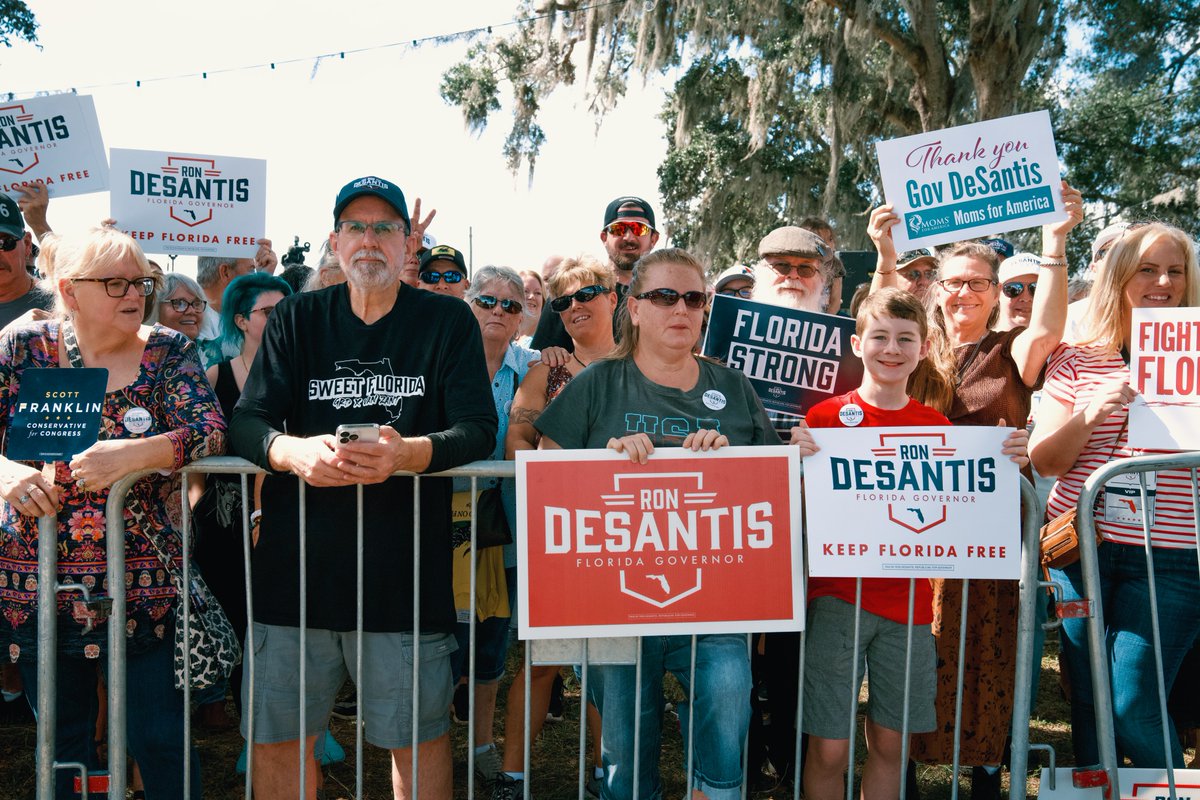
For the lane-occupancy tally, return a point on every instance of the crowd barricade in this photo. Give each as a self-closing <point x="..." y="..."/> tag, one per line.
<point x="1092" y="607"/>
<point x="584" y="652"/>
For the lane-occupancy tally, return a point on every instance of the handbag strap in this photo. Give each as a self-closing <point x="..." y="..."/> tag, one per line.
<point x="70" y="345"/>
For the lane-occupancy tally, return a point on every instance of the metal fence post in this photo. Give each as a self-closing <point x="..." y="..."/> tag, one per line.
<point x="47" y="669"/>
<point x="1030" y="594"/>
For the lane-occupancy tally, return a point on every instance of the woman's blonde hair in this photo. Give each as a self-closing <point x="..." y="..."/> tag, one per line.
<point x="94" y="255"/>
<point x="1107" y="307"/>
<point x="627" y="332"/>
<point x="584" y="270"/>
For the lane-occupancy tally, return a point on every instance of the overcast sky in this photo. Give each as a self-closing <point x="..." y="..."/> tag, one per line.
<point x="377" y="112"/>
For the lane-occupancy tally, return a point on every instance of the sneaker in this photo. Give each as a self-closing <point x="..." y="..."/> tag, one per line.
<point x="460" y="709"/>
<point x="488" y="764"/>
<point x="555" y="712"/>
<point x="592" y="787"/>
<point x="985" y="785"/>
<point x="346" y="709"/>
<point x="507" y="788"/>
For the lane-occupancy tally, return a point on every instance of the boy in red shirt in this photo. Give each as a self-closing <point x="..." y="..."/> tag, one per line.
<point x="891" y="338"/>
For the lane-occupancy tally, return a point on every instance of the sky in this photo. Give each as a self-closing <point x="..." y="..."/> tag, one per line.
<point x="371" y="113"/>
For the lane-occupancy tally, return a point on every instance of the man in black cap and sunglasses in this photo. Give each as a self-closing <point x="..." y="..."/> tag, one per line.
<point x="18" y="291"/>
<point x="443" y="269"/>
<point x="628" y="234"/>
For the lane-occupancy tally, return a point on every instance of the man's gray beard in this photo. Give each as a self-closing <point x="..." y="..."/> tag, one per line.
<point x="371" y="278"/>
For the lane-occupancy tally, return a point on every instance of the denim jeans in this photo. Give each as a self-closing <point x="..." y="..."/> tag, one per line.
<point x="155" y="717"/>
<point x="721" y="715"/>
<point x="1125" y="597"/>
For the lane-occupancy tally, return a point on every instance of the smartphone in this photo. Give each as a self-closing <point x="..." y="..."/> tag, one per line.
<point x="358" y="432"/>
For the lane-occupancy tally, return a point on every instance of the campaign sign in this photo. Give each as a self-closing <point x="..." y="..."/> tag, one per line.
<point x="973" y="180"/>
<point x="54" y="141"/>
<point x="794" y="359"/>
<point x="936" y="502"/>
<point x="1164" y="368"/>
<point x="58" y="413"/>
<point x="181" y="203"/>
<point x="687" y="543"/>
<point x="1136" y="784"/>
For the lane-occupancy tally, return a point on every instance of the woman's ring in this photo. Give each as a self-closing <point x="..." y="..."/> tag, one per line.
<point x="81" y="483"/>
<point x="23" y="499"/>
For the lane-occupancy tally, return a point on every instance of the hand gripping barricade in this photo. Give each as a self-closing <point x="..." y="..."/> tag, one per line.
<point x="1106" y="777"/>
<point x="626" y="651"/>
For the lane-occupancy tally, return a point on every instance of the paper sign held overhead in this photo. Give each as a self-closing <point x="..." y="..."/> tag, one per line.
<point x="973" y="180"/>
<point x="183" y="203"/>
<point x="53" y="141"/>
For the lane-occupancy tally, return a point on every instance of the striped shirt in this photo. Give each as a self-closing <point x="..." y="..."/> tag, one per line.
<point x="1073" y="376"/>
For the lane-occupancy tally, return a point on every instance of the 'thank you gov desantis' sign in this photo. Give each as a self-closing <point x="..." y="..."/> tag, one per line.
<point x="183" y="203"/>
<point x="936" y="502"/>
<point x="794" y="359"/>
<point x="53" y="141"/>
<point x="1164" y="368"/>
<point x="973" y="180"/>
<point x="58" y="413"/>
<point x="687" y="543"/>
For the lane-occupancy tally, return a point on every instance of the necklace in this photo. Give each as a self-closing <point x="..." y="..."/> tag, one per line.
<point x="245" y="366"/>
<point x="974" y="351"/>
<point x="580" y="363"/>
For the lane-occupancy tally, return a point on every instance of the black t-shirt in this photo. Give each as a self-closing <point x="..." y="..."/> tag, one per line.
<point x="551" y="332"/>
<point x="419" y="369"/>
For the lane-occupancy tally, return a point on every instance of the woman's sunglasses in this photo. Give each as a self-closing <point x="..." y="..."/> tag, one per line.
<point x="487" y="303"/>
<point x="585" y="295"/>
<point x="667" y="298"/>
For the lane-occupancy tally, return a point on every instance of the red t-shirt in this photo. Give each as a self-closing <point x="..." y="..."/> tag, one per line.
<point x="887" y="597"/>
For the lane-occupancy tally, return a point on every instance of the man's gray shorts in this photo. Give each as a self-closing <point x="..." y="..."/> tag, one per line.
<point x="385" y="698"/>
<point x="829" y="661"/>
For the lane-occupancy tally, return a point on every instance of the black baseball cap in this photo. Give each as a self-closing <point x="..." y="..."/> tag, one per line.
<point x="385" y="190"/>
<point x="444" y="252"/>
<point x="1003" y="249"/>
<point x="615" y="210"/>
<point x="11" y="221"/>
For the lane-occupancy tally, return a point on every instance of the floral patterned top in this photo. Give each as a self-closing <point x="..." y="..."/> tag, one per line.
<point x="172" y="387"/>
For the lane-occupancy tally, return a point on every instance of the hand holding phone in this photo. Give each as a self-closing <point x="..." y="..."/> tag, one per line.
<point x="357" y="432"/>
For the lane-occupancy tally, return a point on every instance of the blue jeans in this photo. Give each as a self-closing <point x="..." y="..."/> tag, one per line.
<point x="721" y="715"/>
<point x="1125" y="595"/>
<point x="155" y="717"/>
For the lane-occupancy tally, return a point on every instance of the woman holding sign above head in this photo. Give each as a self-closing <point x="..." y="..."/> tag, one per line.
<point x="981" y="377"/>
<point x="653" y="375"/>
<point x="158" y="413"/>
<point x="1083" y="424"/>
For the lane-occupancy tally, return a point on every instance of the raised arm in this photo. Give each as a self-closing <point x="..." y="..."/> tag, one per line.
<point x="880" y="230"/>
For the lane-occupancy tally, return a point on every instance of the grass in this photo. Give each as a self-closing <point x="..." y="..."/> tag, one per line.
<point x="555" y="755"/>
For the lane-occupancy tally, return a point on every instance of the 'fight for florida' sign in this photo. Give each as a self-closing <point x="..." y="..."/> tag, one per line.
<point x="937" y="502"/>
<point x="687" y="543"/>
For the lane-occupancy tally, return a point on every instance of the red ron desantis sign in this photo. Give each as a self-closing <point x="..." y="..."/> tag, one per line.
<point x="687" y="543"/>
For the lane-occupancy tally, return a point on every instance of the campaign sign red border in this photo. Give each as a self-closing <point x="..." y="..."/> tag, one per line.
<point x="687" y="543"/>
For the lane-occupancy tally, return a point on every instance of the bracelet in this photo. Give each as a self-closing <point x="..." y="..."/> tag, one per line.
<point x="1054" y="261"/>
<point x="255" y="516"/>
<point x="881" y="272"/>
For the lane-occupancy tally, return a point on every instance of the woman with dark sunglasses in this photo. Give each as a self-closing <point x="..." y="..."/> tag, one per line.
<point x="617" y="404"/>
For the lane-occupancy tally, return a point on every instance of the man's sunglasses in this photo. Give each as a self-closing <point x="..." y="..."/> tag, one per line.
<point x="915" y="275"/>
<point x="667" y="298"/>
<point x="745" y="292"/>
<point x="585" y="295"/>
<point x="621" y="228"/>
<point x="8" y="243"/>
<point x="786" y="270"/>
<point x="450" y="276"/>
<point x="1017" y="288"/>
<point x="487" y="303"/>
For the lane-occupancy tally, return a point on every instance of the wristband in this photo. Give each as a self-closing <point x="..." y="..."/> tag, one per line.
<point x="1054" y="261"/>
<point x="881" y="272"/>
<point x="255" y="516"/>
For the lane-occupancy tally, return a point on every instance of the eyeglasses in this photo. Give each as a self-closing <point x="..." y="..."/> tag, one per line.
<point x="180" y="305"/>
<point x="118" y="287"/>
<point x="667" y="298"/>
<point x="787" y="270"/>
<point x="622" y="228"/>
<point x="8" y="243"/>
<point x="975" y="284"/>
<point x="743" y="293"/>
<point x="585" y="295"/>
<point x="266" y="310"/>
<point x="382" y="230"/>
<point x="450" y="276"/>
<point x="1017" y="288"/>
<point x="487" y="303"/>
<point x="915" y="275"/>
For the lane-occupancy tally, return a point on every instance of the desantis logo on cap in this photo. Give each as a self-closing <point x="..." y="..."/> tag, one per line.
<point x="371" y="185"/>
<point x="373" y="182"/>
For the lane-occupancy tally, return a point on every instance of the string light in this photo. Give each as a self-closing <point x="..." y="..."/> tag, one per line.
<point x="438" y="39"/>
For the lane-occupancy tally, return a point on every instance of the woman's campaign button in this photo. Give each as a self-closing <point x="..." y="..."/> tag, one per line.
<point x="137" y="420"/>
<point x="714" y="400"/>
<point x="851" y="415"/>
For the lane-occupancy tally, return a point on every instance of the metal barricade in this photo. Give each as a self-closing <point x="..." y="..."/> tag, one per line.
<point x="1089" y="562"/>
<point x="586" y="654"/>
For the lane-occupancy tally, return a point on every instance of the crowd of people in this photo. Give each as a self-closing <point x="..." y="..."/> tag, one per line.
<point x="445" y="366"/>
